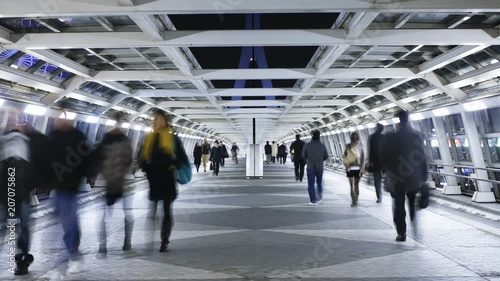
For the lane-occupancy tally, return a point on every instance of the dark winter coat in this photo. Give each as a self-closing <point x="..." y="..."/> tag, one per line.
<point x="268" y="149"/>
<point x="197" y="155"/>
<point x="114" y="160"/>
<point x="282" y="150"/>
<point x="403" y="160"/>
<point x="216" y="154"/>
<point x="297" y="147"/>
<point x="162" y="181"/>
<point x="205" y="148"/>
<point x="70" y="158"/>
<point x="39" y="157"/>
<point x="375" y="145"/>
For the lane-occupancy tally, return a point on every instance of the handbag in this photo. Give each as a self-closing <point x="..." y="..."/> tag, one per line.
<point x="423" y="201"/>
<point x="211" y="166"/>
<point x="183" y="173"/>
<point x="351" y="156"/>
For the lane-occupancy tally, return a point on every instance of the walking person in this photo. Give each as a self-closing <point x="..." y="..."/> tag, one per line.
<point x="403" y="160"/>
<point x="315" y="153"/>
<point x="70" y="161"/>
<point x="113" y="159"/>
<point x="205" y="154"/>
<point x="354" y="156"/>
<point x="297" y="147"/>
<point x="162" y="153"/>
<point x="197" y="156"/>
<point x="282" y="151"/>
<point x="274" y="151"/>
<point x="374" y="162"/>
<point x="225" y="154"/>
<point x="268" y="151"/>
<point x="216" y="156"/>
<point x="234" y="152"/>
<point x="16" y="176"/>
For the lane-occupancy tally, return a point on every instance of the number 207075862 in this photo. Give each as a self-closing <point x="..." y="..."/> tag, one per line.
<point x="11" y="192"/>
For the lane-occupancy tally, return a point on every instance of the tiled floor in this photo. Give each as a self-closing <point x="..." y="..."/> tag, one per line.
<point x="230" y="228"/>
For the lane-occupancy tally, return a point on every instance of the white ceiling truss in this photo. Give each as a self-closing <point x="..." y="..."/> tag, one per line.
<point x="377" y="57"/>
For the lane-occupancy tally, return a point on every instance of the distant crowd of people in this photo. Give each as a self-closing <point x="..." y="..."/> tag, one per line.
<point x="213" y="155"/>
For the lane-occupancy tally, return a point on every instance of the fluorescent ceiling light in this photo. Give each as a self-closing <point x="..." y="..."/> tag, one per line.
<point x="92" y="119"/>
<point x="148" y="129"/>
<point x="69" y="115"/>
<point x="474" y="105"/>
<point x="1" y="102"/>
<point x="466" y="18"/>
<point x="385" y="123"/>
<point x="35" y="110"/>
<point x="441" y="112"/>
<point x="493" y="61"/>
<point x="125" y="125"/>
<point x="14" y="66"/>
<point x="361" y="127"/>
<point x="137" y="127"/>
<point x="371" y="125"/>
<point x="110" y="123"/>
<point x="352" y="129"/>
<point x="395" y="120"/>
<point x="416" y="117"/>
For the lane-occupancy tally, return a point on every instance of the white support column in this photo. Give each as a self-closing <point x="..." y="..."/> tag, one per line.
<point x="5" y="119"/>
<point x="92" y="134"/>
<point x="452" y="187"/>
<point x="483" y="193"/>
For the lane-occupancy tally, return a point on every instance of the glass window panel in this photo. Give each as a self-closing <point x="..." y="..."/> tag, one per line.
<point x="456" y="125"/>
<point x="6" y="54"/>
<point x="494" y="148"/>
<point x="491" y="120"/>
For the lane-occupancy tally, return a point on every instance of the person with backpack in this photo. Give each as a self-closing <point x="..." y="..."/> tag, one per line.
<point x="225" y="154"/>
<point x="354" y="161"/>
<point x="205" y="154"/>
<point x="282" y="153"/>
<point x="162" y="154"/>
<point x="197" y="156"/>
<point x="234" y="152"/>
<point x="114" y="158"/>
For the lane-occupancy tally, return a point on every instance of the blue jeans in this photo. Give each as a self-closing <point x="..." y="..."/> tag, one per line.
<point x="312" y="175"/>
<point x="66" y="206"/>
<point x="23" y="211"/>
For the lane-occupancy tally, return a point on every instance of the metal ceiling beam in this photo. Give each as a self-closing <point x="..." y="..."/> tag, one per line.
<point x="440" y="83"/>
<point x="105" y="23"/>
<point x="254" y="74"/>
<point x="241" y="38"/>
<point x="36" y="8"/>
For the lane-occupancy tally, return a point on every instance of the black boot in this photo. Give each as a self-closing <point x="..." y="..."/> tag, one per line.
<point x="22" y="264"/>
<point x="166" y="230"/>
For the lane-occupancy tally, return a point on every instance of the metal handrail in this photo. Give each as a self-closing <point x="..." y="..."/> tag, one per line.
<point x="463" y="166"/>
<point x="467" y="177"/>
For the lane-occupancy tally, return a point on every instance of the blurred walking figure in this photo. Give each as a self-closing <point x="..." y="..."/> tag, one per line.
<point x="162" y="153"/>
<point x="114" y="158"/>
<point x="268" y="150"/>
<point x="234" y="152"/>
<point x="16" y="176"/>
<point x="205" y="154"/>
<point x="374" y="165"/>
<point x="297" y="147"/>
<point x="197" y="156"/>
<point x="274" y="151"/>
<point x="315" y="154"/>
<point x="225" y="154"/>
<point x="70" y="161"/>
<point x="215" y="156"/>
<point x="283" y="153"/>
<point x="354" y="161"/>
<point x="403" y="160"/>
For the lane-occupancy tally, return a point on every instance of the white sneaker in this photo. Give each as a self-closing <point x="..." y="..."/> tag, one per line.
<point x="74" y="267"/>
<point x="313" y="204"/>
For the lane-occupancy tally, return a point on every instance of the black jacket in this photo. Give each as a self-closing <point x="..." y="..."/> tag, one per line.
<point x="268" y="149"/>
<point x="403" y="160"/>
<point x="197" y="155"/>
<point x="216" y="155"/>
<point x="224" y="151"/>
<point x="282" y="150"/>
<point x="162" y="182"/>
<point x="205" y="148"/>
<point x="70" y="158"/>
<point x="297" y="147"/>
<point x="375" y="146"/>
<point x="16" y="172"/>
<point x="39" y="157"/>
